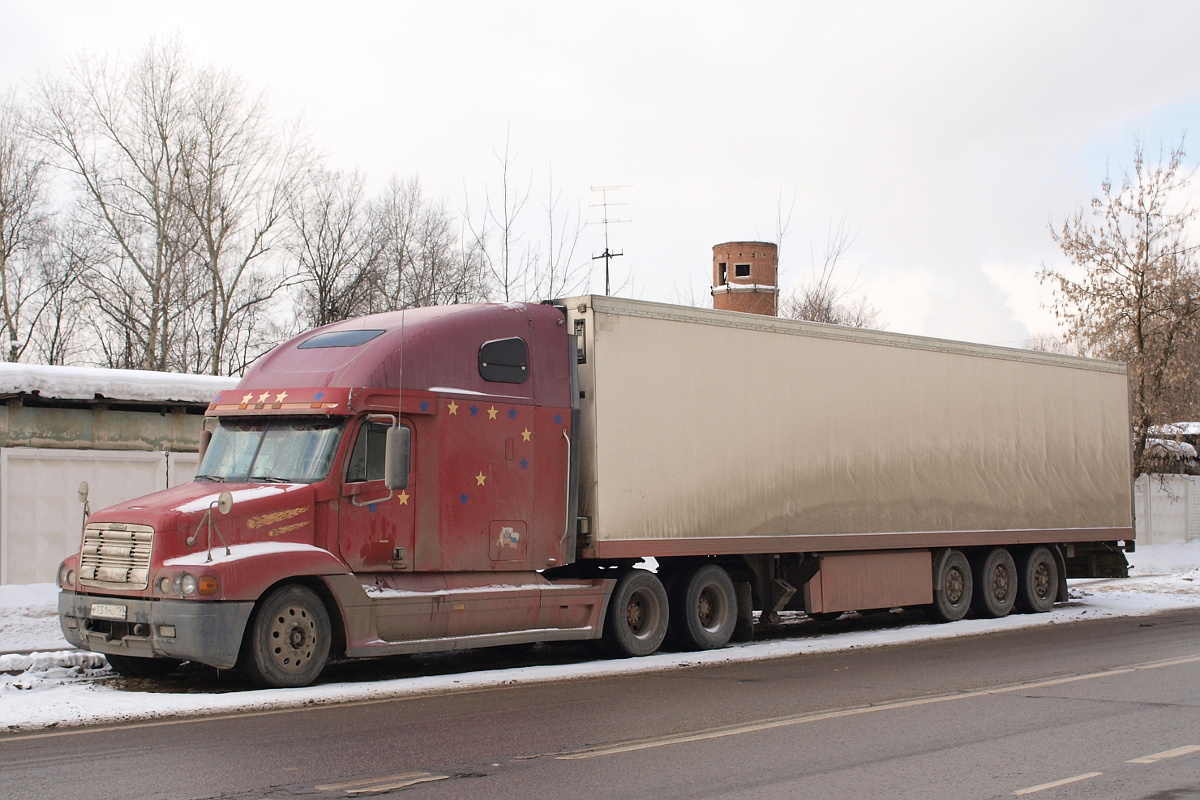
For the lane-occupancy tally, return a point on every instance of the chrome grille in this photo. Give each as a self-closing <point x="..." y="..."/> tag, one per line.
<point x="116" y="556"/>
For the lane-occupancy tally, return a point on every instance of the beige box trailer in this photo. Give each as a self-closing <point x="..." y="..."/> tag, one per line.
<point x="708" y="433"/>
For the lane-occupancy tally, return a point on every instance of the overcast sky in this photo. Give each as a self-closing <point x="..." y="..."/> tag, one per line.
<point x="948" y="135"/>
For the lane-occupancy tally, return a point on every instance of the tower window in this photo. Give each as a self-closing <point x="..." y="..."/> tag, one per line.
<point x="741" y="270"/>
<point x="721" y="274"/>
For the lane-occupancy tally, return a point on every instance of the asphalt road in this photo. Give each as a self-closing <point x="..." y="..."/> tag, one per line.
<point x="1107" y="708"/>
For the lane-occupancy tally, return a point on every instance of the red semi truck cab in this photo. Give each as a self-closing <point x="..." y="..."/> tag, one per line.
<point x="290" y="543"/>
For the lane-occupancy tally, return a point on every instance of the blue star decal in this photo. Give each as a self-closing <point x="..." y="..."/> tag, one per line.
<point x="558" y="419"/>
<point x="474" y="411"/>
<point x="462" y="498"/>
<point x="524" y="463"/>
<point x="318" y="395"/>
<point x="512" y="413"/>
<point x="425" y="405"/>
<point x="373" y="507"/>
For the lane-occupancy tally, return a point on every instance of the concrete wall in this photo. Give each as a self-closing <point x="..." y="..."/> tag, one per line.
<point x="48" y="447"/>
<point x="1167" y="508"/>
<point x="41" y="517"/>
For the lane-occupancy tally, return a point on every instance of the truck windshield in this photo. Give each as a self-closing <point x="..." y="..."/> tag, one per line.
<point x="271" y="451"/>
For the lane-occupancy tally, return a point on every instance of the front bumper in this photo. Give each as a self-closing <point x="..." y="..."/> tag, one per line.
<point x="209" y="632"/>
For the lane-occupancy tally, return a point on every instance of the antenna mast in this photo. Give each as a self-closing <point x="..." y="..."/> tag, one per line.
<point x="608" y="255"/>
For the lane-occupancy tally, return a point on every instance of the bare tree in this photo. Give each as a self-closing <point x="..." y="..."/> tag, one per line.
<point x="1137" y="298"/>
<point x="122" y="132"/>
<point x="240" y="178"/>
<point x="335" y="249"/>
<point x="424" y="259"/>
<point x="822" y="299"/>
<point x="25" y="230"/>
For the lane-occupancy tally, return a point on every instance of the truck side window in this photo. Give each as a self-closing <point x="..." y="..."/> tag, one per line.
<point x="366" y="460"/>
<point x="504" y="361"/>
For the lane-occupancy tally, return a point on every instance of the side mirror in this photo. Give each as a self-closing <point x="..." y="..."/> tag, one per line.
<point x="396" y="457"/>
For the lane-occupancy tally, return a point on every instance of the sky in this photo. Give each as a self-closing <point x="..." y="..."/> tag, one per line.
<point x="948" y="136"/>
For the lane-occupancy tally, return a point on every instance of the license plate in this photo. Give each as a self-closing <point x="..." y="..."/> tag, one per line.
<point x="104" y="611"/>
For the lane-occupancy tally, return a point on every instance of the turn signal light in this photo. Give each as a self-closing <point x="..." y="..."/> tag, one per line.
<point x="207" y="585"/>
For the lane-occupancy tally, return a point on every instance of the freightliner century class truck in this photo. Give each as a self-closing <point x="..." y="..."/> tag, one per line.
<point x="477" y="475"/>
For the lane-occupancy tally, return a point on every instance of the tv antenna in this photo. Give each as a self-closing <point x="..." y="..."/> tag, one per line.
<point x="608" y="255"/>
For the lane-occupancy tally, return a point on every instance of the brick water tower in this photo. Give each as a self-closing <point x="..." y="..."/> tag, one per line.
<point x="745" y="277"/>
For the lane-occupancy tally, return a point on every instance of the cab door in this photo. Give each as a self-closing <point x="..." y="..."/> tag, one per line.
<point x="376" y="525"/>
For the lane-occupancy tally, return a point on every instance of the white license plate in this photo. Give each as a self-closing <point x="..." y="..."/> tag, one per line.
<point x="104" y="611"/>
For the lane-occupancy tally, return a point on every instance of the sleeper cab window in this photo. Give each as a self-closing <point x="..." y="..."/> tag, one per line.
<point x="504" y="361"/>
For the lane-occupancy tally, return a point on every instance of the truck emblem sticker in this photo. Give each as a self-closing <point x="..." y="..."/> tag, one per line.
<point x="525" y="434"/>
<point x="264" y="520"/>
<point x="480" y="479"/>
<point x="452" y="408"/>
<point x="492" y="412"/>
<point x="509" y="537"/>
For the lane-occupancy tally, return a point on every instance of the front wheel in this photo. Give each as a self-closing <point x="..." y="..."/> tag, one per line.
<point x="636" y="622"/>
<point x="287" y="641"/>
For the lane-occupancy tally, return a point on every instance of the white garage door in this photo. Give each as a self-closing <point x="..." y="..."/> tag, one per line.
<point x="40" y="514"/>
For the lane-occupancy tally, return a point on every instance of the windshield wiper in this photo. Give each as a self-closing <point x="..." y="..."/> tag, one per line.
<point x="269" y="479"/>
<point x="213" y="478"/>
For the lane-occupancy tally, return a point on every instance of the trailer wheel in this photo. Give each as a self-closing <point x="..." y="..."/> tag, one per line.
<point x="139" y="667"/>
<point x="952" y="586"/>
<point x="287" y="641"/>
<point x="995" y="584"/>
<point x="704" y="609"/>
<point x="637" y="617"/>
<point x="1038" y="584"/>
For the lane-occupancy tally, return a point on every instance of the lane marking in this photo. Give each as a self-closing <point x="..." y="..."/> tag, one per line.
<point x="1055" y="784"/>
<point x="329" y="787"/>
<point x="381" y="784"/>
<point x="820" y="716"/>
<point x="1165" y="754"/>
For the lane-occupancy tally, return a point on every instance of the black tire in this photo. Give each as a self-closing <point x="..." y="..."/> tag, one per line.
<point x="287" y="640"/>
<point x="637" y="618"/>
<point x="138" y="667"/>
<point x="1037" y="587"/>
<point x="952" y="586"/>
<point x="995" y="584"/>
<point x="704" y="609"/>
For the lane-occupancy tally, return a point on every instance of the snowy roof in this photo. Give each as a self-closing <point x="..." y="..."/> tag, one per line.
<point x="89" y="383"/>
<point x="1169" y="448"/>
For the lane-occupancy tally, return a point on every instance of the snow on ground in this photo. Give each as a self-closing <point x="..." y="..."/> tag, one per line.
<point x="55" y="686"/>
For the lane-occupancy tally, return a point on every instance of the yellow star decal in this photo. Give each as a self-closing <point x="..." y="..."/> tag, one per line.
<point x="525" y="434"/>
<point x="248" y="398"/>
<point x="492" y="412"/>
<point x="480" y="479"/>
<point x="279" y="397"/>
<point x="403" y="498"/>
<point x="262" y="398"/>
<point x="452" y="408"/>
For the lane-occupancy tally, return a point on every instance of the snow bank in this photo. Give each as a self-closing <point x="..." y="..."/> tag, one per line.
<point x="68" y="688"/>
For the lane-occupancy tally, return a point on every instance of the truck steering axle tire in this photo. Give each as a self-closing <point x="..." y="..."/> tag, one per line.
<point x="1038" y="584"/>
<point x="995" y="584"/>
<point x="637" y="618"/>
<point x="139" y="667"/>
<point x="703" y="609"/>
<point x="287" y="641"/>
<point x="952" y="586"/>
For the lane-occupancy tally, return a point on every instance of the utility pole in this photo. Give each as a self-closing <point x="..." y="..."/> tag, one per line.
<point x="608" y="255"/>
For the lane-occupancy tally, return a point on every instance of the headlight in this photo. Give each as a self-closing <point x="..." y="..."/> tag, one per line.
<point x="165" y="585"/>
<point x="187" y="584"/>
<point x="66" y="577"/>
